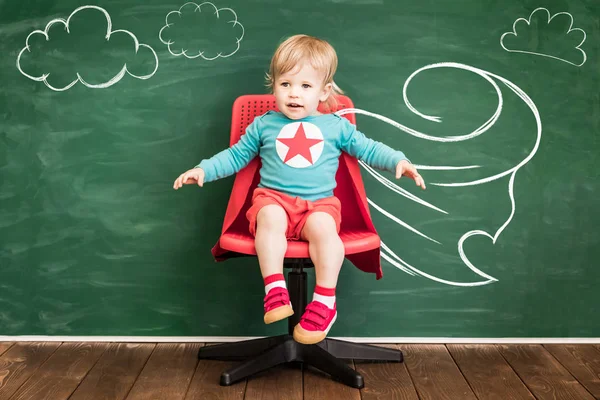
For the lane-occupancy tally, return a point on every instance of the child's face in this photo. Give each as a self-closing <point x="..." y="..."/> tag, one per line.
<point x="299" y="91"/>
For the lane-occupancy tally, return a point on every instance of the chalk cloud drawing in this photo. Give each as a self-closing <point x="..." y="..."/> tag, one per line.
<point x="521" y="46"/>
<point x="109" y="32"/>
<point x="387" y="253"/>
<point x="190" y="9"/>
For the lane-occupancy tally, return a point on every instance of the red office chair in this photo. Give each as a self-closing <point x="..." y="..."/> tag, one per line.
<point x="361" y="245"/>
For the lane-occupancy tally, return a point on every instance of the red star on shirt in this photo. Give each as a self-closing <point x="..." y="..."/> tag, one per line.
<point x="299" y="144"/>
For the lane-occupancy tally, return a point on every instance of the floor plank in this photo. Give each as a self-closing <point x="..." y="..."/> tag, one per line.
<point x="20" y="362"/>
<point x="280" y="382"/>
<point x="168" y="372"/>
<point x="58" y="377"/>
<point x="386" y="380"/>
<point x="545" y="377"/>
<point x="582" y="361"/>
<point x="435" y="374"/>
<point x="172" y="371"/>
<point x="319" y="386"/>
<point x="205" y="383"/>
<point x="5" y="346"/>
<point x="115" y="372"/>
<point x="488" y="373"/>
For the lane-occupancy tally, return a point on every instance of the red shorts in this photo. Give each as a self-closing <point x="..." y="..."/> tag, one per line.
<point x="298" y="210"/>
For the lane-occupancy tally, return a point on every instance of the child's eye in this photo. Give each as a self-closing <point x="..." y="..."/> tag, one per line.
<point x="306" y="86"/>
<point x="285" y="84"/>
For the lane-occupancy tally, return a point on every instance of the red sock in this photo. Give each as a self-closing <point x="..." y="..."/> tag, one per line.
<point x="275" y="280"/>
<point x="325" y="296"/>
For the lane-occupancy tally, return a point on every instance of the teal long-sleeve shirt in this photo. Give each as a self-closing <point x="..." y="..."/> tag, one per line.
<point x="299" y="158"/>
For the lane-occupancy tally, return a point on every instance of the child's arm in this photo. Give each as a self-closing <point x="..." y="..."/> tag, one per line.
<point x="191" y="176"/>
<point x="377" y="154"/>
<point x="404" y="167"/>
<point x="226" y="162"/>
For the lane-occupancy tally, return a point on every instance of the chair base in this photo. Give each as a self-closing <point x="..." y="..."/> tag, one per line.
<point x="327" y="355"/>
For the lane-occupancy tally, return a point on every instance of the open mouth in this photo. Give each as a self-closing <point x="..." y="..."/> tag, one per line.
<point x="294" y="105"/>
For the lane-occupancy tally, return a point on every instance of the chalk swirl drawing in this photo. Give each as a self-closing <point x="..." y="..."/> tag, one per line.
<point x="109" y="32"/>
<point x="191" y="7"/>
<point x="387" y="253"/>
<point x="523" y="47"/>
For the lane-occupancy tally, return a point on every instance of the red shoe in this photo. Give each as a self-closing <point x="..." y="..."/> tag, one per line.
<point x="277" y="305"/>
<point x="315" y="323"/>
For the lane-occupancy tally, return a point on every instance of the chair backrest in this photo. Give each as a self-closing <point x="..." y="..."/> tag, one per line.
<point x="246" y="108"/>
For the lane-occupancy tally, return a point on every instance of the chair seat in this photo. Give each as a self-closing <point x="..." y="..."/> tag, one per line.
<point x="355" y="241"/>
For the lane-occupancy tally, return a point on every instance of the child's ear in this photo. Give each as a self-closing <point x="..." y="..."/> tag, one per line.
<point x="326" y="92"/>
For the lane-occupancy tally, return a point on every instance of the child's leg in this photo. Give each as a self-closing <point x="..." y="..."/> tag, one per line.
<point x="327" y="253"/>
<point x="325" y="248"/>
<point x="270" y="241"/>
<point x="271" y="244"/>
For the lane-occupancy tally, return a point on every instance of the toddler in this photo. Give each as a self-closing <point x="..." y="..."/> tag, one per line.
<point x="299" y="149"/>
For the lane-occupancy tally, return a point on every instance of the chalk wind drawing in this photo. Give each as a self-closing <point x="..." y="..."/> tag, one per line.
<point x="523" y="47"/>
<point x="109" y="32"/>
<point x="387" y="253"/>
<point x="190" y="9"/>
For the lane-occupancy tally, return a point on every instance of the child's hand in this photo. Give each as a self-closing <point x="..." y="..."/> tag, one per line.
<point x="406" y="168"/>
<point x="189" y="177"/>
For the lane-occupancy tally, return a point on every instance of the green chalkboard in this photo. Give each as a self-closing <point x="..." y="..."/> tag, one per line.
<point x="102" y="107"/>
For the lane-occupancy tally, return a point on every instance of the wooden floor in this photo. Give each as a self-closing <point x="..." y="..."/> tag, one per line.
<point x="147" y="371"/>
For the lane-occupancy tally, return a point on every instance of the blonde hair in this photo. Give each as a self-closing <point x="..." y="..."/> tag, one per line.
<point x="300" y="48"/>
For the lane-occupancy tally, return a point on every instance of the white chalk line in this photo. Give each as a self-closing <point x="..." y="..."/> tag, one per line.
<point x="400" y="222"/>
<point x="401" y="264"/>
<point x="110" y="82"/>
<point x="444" y="168"/>
<point x="183" y="52"/>
<point x="528" y="22"/>
<point x="394" y="187"/>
